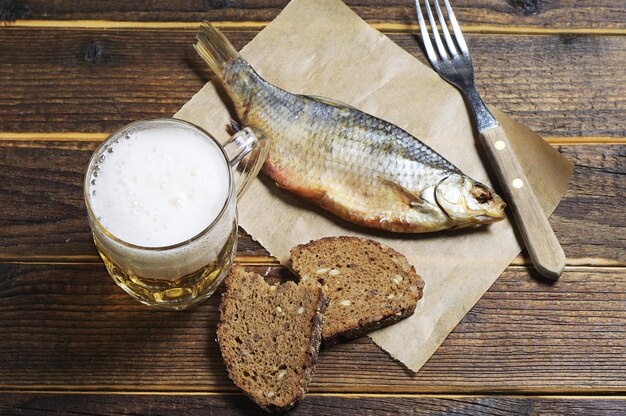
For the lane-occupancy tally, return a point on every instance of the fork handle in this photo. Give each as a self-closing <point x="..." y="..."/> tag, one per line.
<point x="542" y="245"/>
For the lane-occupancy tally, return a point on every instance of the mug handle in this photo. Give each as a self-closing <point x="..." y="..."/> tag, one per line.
<point x="252" y="143"/>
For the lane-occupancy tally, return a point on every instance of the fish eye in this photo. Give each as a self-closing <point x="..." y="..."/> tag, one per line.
<point x="481" y="193"/>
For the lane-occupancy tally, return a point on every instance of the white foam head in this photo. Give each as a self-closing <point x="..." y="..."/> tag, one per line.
<point x="158" y="184"/>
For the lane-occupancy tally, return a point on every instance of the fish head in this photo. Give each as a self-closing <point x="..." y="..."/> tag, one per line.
<point x="467" y="202"/>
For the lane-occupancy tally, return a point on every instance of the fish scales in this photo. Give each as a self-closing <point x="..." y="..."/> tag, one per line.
<point x="357" y="166"/>
<point x="339" y="134"/>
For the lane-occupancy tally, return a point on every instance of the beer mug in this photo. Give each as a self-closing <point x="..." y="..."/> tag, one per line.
<point x="161" y="196"/>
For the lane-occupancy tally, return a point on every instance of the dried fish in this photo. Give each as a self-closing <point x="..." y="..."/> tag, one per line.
<point x="357" y="166"/>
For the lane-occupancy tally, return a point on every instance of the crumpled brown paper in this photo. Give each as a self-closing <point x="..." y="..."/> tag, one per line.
<point x="322" y="48"/>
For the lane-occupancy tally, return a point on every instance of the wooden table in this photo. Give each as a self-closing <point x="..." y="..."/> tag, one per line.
<point x="70" y="340"/>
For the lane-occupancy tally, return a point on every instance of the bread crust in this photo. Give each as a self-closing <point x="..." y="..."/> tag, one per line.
<point x="375" y="321"/>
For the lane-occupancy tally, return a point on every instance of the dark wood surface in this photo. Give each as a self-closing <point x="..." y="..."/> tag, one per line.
<point x="567" y="86"/>
<point x="66" y="326"/>
<point x="581" y="14"/>
<point x="73" y="343"/>
<point x="314" y="405"/>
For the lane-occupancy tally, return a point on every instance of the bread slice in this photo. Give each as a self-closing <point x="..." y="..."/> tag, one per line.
<point x="369" y="285"/>
<point x="269" y="337"/>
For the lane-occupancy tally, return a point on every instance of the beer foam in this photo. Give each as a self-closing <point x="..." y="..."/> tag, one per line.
<point x="159" y="185"/>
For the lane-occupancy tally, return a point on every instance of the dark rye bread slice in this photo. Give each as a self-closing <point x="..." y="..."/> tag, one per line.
<point x="269" y="337"/>
<point x="369" y="284"/>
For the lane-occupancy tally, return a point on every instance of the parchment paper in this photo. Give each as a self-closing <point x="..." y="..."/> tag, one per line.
<point x="322" y="48"/>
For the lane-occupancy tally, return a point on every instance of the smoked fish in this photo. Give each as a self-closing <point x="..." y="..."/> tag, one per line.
<point x="357" y="166"/>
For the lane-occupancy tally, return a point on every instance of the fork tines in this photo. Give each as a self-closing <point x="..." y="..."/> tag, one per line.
<point x="449" y="41"/>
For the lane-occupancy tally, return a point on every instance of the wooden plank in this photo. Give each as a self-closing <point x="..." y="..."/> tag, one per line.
<point x="602" y="14"/>
<point x="69" y="327"/>
<point x="42" y="213"/>
<point x="313" y="405"/>
<point x="95" y="81"/>
<point x="593" y="205"/>
<point x="388" y="28"/>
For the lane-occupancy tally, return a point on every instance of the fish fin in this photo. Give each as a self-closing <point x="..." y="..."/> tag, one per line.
<point x="234" y="126"/>
<point x="214" y="48"/>
<point x="312" y="194"/>
<point x="283" y="180"/>
<point x="411" y="198"/>
<point x="329" y="101"/>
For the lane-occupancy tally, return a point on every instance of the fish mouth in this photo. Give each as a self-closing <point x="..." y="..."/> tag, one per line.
<point x="498" y="209"/>
<point x="492" y="210"/>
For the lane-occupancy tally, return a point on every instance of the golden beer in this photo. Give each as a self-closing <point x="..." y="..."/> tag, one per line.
<point x="181" y="292"/>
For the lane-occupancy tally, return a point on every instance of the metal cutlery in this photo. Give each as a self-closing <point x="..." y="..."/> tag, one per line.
<point x="451" y="59"/>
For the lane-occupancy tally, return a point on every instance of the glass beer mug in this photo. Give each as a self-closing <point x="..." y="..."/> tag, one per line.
<point x="161" y="196"/>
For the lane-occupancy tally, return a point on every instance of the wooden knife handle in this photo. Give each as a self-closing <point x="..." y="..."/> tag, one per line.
<point x="544" y="249"/>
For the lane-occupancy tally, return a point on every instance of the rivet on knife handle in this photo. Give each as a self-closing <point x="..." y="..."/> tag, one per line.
<point x="542" y="245"/>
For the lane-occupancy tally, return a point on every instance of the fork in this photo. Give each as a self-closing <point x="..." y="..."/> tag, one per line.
<point x="453" y="63"/>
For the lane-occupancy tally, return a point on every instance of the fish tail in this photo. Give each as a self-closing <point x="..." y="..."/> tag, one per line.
<point x="214" y="48"/>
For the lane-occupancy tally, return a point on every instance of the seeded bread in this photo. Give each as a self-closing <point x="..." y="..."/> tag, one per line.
<point x="269" y="337"/>
<point x="369" y="285"/>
